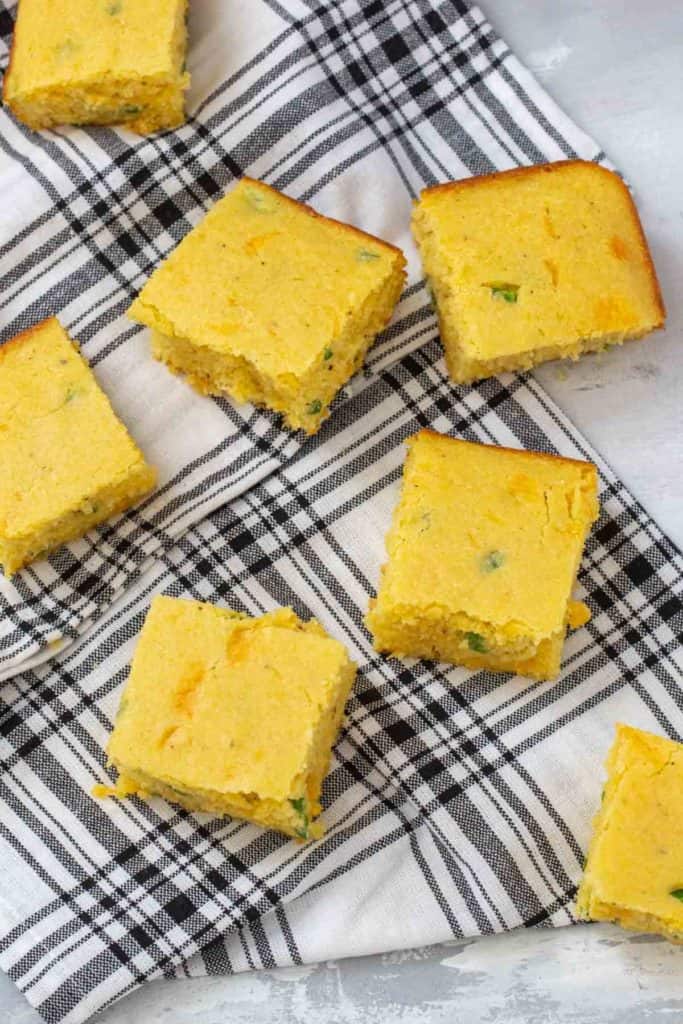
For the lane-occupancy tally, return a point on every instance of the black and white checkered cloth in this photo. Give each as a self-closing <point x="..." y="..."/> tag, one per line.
<point x="469" y="794"/>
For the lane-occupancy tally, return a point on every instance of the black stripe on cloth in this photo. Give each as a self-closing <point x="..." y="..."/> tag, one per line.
<point x="443" y="764"/>
<point x="416" y="746"/>
<point x="126" y="205"/>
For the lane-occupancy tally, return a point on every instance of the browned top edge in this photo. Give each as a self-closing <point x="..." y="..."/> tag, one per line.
<point x="24" y="336"/>
<point x="561" y="165"/>
<point x="517" y="172"/>
<point x="644" y="250"/>
<point x="502" y="448"/>
<point x="358" y="232"/>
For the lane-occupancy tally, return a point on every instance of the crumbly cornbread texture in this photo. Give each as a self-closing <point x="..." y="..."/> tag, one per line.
<point x="483" y="554"/>
<point x="271" y="303"/>
<point x="533" y="264"/>
<point x="634" y="870"/>
<point x="68" y="462"/>
<point x="99" y="62"/>
<point x="232" y="715"/>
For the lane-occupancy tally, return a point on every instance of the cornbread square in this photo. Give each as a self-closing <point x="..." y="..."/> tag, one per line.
<point x="271" y="303"/>
<point x="232" y="715"/>
<point x="68" y="463"/>
<point x="634" y="870"/>
<point x="483" y="553"/>
<point x="99" y="62"/>
<point x="532" y="264"/>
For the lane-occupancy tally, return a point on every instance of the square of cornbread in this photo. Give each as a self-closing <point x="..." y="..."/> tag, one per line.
<point x="634" y="870"/>
<point x="68" y="462"/>
<point x="99" y="62"/>
<point x="232" y="715"/>
<point x="483" y="553"/>
<point x="532" y="264"/>
<point x="271" y="303"/>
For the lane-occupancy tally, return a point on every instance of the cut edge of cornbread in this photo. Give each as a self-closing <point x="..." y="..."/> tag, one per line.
<point x="464" y="370"/>
<point x="392" y="635"/>
<point x="143" y="104"/>
<point x="19" y="549"/>
<point x="399" y="630"/>
<point x="589" y="906"/>
<point x="16" y="553"/>
<point x="302" y="400"/>
<point x="143" y="109"/>
<point x="295" y="815"/>
<point x="236" y="376"/>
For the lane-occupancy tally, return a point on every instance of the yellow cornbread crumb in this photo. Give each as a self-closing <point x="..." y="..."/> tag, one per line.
<point x="578" y="614"/>
<point x="634" y="869"/>
<point x="99" y="62"/>
<point x="68" y="463"/>
<point x="483" y="553"/>
<point x="271" y="303"/>
<point x="231" y="715"/>
<point x="533" y="264"/>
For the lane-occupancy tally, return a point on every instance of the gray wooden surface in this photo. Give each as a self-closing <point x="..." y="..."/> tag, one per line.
<point x="615" y="66"/>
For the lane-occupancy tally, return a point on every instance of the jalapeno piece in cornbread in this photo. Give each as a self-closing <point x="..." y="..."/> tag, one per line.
<point x="271" y="303"/>
<point x="232" y="715"/>
<point x="99" y="62"/>
<point x="634" y="870"/>
<point x="68" y="462"/>
<point x="483" y="553"/>
<point x="537" y="263"/>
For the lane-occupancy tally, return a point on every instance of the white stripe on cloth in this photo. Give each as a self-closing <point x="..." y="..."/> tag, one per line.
<point x="475" y="790"/>
<point x="325" y="105"/>
<point x="468" y="794"/>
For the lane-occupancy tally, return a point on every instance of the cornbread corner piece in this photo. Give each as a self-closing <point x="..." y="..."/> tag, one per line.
<point x="232" y="715"/>
<point x="537" y="263"/>
<point x="68" y="463"/>
<point x="271" y="303"/>
<point x="634" y="870"/>
<point x="99" y="62"/>
<point x="483" y="552"/>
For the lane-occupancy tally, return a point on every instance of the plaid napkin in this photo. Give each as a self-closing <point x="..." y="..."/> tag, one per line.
<point x="354" y="106"/>
<point x="468" y="794"/>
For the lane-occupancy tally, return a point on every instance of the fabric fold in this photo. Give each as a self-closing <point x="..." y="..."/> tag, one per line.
<point x="348" y="107"/>
<point x="469" y="794"/>
<point x="479" y="789"/>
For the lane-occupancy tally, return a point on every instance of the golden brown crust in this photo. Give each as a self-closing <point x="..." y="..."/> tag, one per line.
<point x="520" y="452"/>
<point x="518" y="172"/>
<point x="357" y="232"/>
<point x="646" y="255"/>
<point x="559" y="166"/>
<point x="24" y="336"/>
